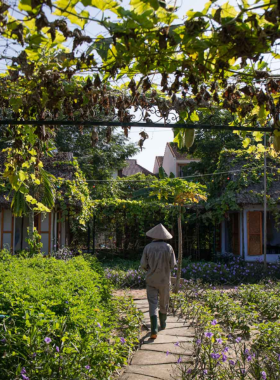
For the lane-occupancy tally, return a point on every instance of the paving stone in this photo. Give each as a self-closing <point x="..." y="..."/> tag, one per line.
<point x="160" y="371"/>
<point x="169" y="325"/>
<point x="183" y="348"/>
<point x="167" y="339"/>
<point x="144" y="309"/>
<point x="143" y="357"/>
<point x="134" y="376"/>
<point x="179" y="331"/>
<point x="141" y="302"/>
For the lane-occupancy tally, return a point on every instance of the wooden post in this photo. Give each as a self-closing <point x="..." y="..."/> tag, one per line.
<point x="93" y="236"/>
<point x="88" y="239"/>
<point x="180" y="251"/>
<point x="264" y="208"/>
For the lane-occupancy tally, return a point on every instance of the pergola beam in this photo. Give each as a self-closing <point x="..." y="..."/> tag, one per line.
<point x="133" y="125"/>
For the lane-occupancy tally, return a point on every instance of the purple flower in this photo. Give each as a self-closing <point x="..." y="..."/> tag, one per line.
<point x="214" y="322"/>
<point x="249" y="358"/>
<point x="179" y="360"/>
<point x="226" y="349"/>
<point x="34" y="355"/>
<point x="205" y="372"/>
<point x="189" y="370"/>
<point x="219" y="340"/>
<point x="23" y="371"/>
<point x="47" y="340"/>
<point x="224" y="358"/>
<point x="99" y="325"/>
<point x="243" y="371"/>
<point x="238" y="340"/>
<point x="87" y="367"/>
<point x="231" y="362"/>
<point x="3" y="340"/>
<point x="57" y="348"/>
<point x="167" y="353"/>
<point x="198" y="342"/>
<point x="279" y="358"/>
<point x="176" y="344"/>
<point x="263" y="373"/>
<point x="25" y="377"/>
<point x="122" y="340"/>
<point x="215" y="356"/>
<point x="208" y="334"/>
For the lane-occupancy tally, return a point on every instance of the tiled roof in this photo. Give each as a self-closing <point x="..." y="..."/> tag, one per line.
<point x="179" y="156"/>
<point x="134" y="168"/>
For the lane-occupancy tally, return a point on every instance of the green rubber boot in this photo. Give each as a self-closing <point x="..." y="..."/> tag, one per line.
<point x="154" y="326"/>
<point x="162" y="320"/>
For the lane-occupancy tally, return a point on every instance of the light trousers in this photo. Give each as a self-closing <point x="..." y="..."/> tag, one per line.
<point x="155" y="293"/>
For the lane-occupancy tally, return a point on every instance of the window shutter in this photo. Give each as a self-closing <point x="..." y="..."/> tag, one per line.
<point x="254" y="233"/>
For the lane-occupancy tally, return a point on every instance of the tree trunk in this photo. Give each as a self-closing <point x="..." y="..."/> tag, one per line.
<point x="180" y="251"/>
<point x="31" y="224"/>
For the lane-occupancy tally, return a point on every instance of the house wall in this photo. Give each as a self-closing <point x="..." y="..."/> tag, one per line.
<point x="7" y="229"/>
<point x="156" y="167"/>
<point x="12" y="238"/>
<point x="271" y="258"/>
<point x="169" y="161"/>
<point x="243" y="230"/>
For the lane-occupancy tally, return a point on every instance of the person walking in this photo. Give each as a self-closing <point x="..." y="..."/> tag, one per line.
<point x="158" y="259"/>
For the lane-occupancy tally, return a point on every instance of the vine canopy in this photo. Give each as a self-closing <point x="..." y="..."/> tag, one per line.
<point x="148" y="61"/>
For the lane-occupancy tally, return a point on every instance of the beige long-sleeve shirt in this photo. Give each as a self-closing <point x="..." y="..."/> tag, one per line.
<point x="158" y="259"/>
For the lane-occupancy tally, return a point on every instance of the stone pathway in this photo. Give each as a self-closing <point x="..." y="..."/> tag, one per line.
<point x="157" y="359"/>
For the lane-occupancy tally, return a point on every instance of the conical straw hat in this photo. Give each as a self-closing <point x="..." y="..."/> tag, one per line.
<point x="159" y="232"/>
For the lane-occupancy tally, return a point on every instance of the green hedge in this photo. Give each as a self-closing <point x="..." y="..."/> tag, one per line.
<point x="59" y="320"/>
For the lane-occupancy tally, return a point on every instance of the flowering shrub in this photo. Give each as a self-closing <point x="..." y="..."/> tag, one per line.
<point x="237" y="331"/>
<point x="126" y="273"/>
<point x="126" y="279"/>
<point x="236" y="271"/>
<point x="63" y="254"/>
<point x="58" y="320"/>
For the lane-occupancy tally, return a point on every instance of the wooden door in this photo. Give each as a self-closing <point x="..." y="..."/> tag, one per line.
<point x="254" y="233"/>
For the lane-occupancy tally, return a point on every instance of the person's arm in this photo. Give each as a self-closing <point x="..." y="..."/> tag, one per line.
<point x="173" y="261"/>
<point x="144" y="260"/>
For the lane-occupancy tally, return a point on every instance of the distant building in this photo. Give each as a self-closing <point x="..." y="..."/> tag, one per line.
<point x="132" y="168"/>
<point x="173" y="161"/>
<point x="53" y="228"/>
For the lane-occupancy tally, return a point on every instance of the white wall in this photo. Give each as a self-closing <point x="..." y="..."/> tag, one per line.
<point x="156" y="167"/>
<point x="169" y="162"/>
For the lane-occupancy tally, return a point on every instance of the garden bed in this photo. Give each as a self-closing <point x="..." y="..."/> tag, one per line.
<point x="127" y="274"/>
<point x="237" y="331"/>
<point x="59" y="320"/>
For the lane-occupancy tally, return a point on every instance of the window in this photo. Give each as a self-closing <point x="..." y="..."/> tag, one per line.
<point x="232" y="239"/>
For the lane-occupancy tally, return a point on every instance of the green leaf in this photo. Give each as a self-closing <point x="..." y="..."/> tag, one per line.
<point x="103" y="5"/>
<point x="258" y="136"/>
<point x="246" y="142"/>
<point x="262" y="115"/>
<point x="194" y="116"/>
<point x="140" y="6"/>
<point x="228" y="11"/>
